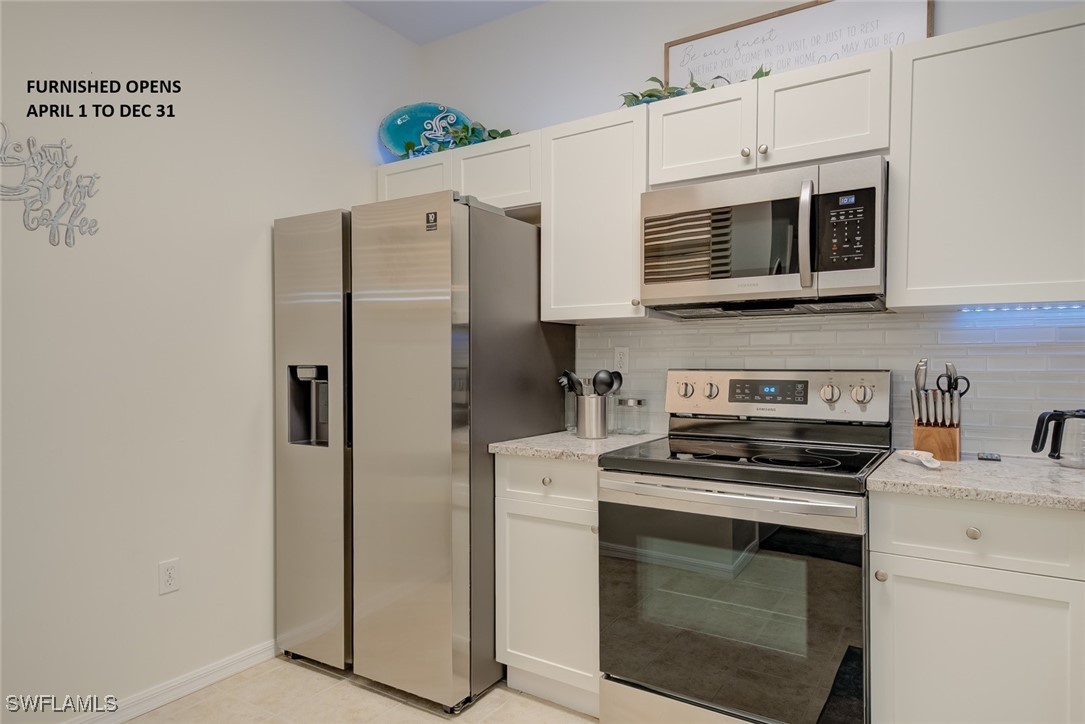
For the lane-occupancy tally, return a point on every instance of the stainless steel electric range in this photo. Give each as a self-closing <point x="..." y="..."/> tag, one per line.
<point x="732" y="552"/>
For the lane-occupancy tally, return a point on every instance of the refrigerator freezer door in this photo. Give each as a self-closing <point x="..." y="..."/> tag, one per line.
<point x="312" y="463"/>
<point x="411" y="436"/>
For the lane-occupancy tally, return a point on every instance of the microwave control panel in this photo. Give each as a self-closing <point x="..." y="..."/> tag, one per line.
<point x="845" y="230"/>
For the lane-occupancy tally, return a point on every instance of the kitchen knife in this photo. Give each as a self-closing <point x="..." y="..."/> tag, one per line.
<point x="951" y="370"/>
<point x="930" y="407"/>
<point x="956" y="405"/>
<point x="921" y="375"/>
<point x="914" y="396"/>
<point x="922" y="406"/>
<point x="939" y="414"/>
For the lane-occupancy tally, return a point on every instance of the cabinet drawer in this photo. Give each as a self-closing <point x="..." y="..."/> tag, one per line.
<point x="559" y="482"/>
<point x="1046" y="541"/>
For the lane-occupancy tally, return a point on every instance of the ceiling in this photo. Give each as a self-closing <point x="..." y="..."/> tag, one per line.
<point x="424" y="21"/>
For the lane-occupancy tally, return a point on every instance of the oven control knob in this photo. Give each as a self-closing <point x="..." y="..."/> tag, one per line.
<point x="711" y="390"/>
<point x="685" y="389"/>
<point x="862" y="394"/>
<point x="830" y="393"/>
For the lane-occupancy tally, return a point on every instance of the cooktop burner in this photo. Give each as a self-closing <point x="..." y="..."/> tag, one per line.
<point x="784" y="464"/>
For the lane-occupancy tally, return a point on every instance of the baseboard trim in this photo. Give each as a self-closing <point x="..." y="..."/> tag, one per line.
<point x="130" y="707"/>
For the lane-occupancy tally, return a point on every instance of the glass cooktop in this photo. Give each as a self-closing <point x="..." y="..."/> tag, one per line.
<point x="817" y="467"/>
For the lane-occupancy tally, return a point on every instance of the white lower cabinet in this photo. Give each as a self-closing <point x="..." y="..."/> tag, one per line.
<point x="960" y="643"/>
<point x="547" y="579"/>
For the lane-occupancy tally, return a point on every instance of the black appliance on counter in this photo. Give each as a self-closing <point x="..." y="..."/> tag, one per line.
<point x="732" y="553"/>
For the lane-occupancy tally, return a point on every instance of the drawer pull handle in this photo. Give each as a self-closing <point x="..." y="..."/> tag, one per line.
<point x="546" y="481"/>
<point x="973" y="533"/>
<point x="882" y="576"/>
<point x="595" y="529"/>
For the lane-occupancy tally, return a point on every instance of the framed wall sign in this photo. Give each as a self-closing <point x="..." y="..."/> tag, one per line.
<point x="814" y="32"/>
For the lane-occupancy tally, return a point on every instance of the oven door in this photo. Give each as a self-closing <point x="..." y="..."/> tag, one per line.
<point x="744" y="599"/>
<point x="738" y="239"/>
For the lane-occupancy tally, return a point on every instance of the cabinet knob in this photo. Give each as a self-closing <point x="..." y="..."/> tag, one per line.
<point x="546" y="481"/>
<point x="745" y="152"/>
<point x="595" y="529"/>
<point x="762" y="149"/>
<point x="882" y="576"/>
<point x="973" y="533"/>
<point x="635" y="302"/>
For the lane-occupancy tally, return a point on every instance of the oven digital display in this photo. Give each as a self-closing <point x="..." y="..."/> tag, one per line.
<point x="845" y="200"/>
<point x="776" y="392"/>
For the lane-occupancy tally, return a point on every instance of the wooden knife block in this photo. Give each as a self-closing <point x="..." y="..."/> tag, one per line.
<point x="942" y="442"/>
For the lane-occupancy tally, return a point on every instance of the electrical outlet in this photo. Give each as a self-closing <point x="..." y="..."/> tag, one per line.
<point x="621" y="359"/>
<point x="169" y="579"/>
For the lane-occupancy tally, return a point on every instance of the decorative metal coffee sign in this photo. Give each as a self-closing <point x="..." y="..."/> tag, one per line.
<point x="42" y="177"/>
<point x="808" y="34"/>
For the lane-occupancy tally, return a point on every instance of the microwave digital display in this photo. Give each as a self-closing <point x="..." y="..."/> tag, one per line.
<point x="845" y="230"/>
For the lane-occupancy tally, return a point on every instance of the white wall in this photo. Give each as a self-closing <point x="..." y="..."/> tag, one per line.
<point x="560" y="61"/>
<point x="137" y="381"/>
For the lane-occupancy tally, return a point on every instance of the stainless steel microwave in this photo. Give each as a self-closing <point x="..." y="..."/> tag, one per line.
<point x="793" y="241"/>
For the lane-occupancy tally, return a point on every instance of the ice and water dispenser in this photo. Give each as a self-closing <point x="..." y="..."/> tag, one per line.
<point x="308" y="405"/>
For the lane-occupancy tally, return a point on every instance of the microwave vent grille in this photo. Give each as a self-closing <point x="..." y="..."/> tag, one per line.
<point x="688" y="246"/>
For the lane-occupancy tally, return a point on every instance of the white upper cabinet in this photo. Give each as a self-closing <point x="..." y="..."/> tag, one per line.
<point x="594" y="171"/>
<point x="710" y="133"/>
<point x="822" y="111"/>
<point x="835" y="109"/>
<point x="987" y="168"/>
<point x="422" y="175"/>
<point x="504" y="172"/>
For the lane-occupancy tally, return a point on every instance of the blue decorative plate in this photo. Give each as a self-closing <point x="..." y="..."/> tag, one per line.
<point x="422" y="123"/>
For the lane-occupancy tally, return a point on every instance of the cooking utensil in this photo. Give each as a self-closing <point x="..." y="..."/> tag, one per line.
<point x="956" y="405"/>
<point x="922" y="406"/>
<point x="930" y="407"/>
<point x="938" y="416"/>
<point x="921" y="375"/>
<point x="602" y="383"/>
<point x="618" y="379"/>
<point x="578" y="386"/>
<point x="947" y="383"/>
<point x="914" y="396"/>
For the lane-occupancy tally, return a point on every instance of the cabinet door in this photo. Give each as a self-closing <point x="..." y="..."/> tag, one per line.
<point x="413" y="176"/>
<point x="824" y="110"/>
<point x="594" y="171"/>
<point x="547" y="576"/>
<point x="964" y="644"/>
<point x="703" y="134"/>
<point x="504" y="172"/>
<point x="987" y="177"/>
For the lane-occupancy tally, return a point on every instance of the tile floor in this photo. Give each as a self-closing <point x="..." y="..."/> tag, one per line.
<point x="281" y="691"/>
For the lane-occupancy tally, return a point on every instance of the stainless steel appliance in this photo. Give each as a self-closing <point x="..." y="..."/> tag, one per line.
<point x="421" y="324"/>
<point x="732" y="552"/>
<point x="779" y="242"/>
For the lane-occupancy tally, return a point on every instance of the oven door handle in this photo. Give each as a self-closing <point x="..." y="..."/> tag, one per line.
<point x="737" y="500"/>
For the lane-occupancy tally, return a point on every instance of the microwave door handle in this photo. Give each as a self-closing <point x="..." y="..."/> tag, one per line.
<point x="806" y="200"/>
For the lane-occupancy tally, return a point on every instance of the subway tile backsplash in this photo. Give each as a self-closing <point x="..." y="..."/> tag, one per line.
<point x="1020" y="363"/>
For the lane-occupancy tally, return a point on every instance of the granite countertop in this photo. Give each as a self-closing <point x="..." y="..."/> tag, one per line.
<point x="1036" y="481"/>
<point x="567" y="446"/>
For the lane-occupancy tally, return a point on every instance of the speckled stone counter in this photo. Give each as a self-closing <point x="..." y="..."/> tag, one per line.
<point x="567" y="446"/>
<point x="1037" y="481"/>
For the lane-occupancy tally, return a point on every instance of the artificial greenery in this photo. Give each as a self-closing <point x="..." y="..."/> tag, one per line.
<point x="461" y="135"/>
<point x="669" y="91"/>
<point x="663" y="91"/>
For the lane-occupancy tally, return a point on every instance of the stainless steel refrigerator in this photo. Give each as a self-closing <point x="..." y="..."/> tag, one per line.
<point x="439" y="353"/>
